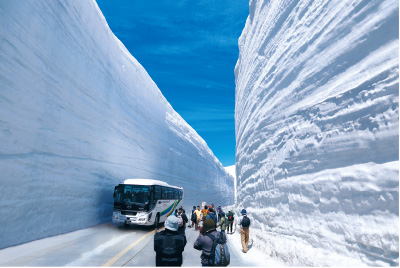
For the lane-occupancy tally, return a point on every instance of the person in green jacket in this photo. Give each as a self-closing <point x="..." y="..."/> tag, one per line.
<point x="222" y="223"/>
<point x="230" y="217"/>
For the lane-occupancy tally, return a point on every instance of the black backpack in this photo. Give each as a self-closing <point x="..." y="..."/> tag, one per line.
<point x="168" y="245"/>
<point x="219" y="251"/>
<point x="245" y="221"/>
<point x="230" y="216"/>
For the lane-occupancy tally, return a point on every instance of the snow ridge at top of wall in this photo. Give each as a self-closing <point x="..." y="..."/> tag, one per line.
<point x="78" y="115"/>
<point x="317" y="119"/>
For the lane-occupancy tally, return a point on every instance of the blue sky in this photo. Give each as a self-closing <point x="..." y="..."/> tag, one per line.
<point x="189" y="48"/>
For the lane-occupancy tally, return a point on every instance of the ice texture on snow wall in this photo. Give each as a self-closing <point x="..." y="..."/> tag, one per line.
<point x="78" y="114"/>
<point x="317" y="113"/>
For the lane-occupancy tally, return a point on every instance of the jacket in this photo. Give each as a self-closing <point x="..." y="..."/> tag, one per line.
<point x="240" y="221"/>
<point x="198" y="214"/>
<point x="212" y="216"/>
<point x="220" y="210"/>
<point x="169" y="246"/>
<point x="222" y="224"/>
<point x="233" y="213"/>
<point x="205" y="243"/>
<point x="184" y="218"/>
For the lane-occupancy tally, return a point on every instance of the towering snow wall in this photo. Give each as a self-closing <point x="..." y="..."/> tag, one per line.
<point x="317" y="117"/>
<point x="78" y="114"/>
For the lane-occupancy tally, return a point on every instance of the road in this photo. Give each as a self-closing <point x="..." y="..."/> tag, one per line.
<point x="102" y="245"/>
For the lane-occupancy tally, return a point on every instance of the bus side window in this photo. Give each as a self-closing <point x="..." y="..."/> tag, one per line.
<point x="164" y="192"/>
<point x="170" y="193"/>
<point x="151" y="198"/>
<point x="181" y="194"/>
<point x="176" y="194"/>
<point x="157" y="192"/>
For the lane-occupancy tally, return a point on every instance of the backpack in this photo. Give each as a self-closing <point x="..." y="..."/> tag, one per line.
<point x="215" y="219"/>
<point x="230" y="216"/>
<point x="205" y="212"/>
<point x="219" y="251"/>
<point x="180" y="220"/>
<point x="245" y="221"/>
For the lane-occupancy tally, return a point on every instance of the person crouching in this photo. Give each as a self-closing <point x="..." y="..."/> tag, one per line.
<point x="169" y="244"/>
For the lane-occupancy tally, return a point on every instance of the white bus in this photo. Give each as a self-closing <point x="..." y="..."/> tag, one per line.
<point x="145" y="202"/>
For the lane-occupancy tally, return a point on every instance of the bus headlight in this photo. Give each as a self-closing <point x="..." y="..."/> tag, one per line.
<point x="142" y="219"/>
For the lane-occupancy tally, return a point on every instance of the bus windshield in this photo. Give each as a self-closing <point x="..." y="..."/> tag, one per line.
<point x="132" y="195"/>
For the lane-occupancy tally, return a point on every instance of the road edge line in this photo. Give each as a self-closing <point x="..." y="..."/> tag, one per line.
<point x="123" y="252"/>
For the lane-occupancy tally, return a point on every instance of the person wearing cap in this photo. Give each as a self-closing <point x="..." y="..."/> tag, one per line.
<point x="244" y="223"/>
<point x="169" y="244"/>
<point x="204" y="243"/>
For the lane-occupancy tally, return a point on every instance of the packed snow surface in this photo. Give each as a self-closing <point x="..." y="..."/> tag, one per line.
<point x="317" y="130"/>
<point x="232" y="171"/>
<point x="78" y="114"/>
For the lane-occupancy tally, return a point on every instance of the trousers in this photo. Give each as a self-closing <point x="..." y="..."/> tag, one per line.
<point x="244" y="234"/>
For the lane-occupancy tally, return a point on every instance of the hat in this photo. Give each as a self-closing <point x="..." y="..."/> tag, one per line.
<point x="208" y="225"/>
<point x="172" y="223"/>
<point x="243" y="212"/>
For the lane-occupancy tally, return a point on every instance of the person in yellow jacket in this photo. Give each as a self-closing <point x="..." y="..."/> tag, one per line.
<point x="198" y="217"/>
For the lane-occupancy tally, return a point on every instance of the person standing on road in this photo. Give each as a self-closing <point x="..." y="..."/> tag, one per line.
<point x="169" y="244"/>
<point x="198" y="217"/>
<point x="193" y="216"/>
<point x="222" y="223"/>
<point x="182" y="214"/>
<point x="211" y="215"/>
<point x="204" y="243"/>
<point x="219" y="212"/>
<point x="204" y="213"/>
<point x="230" y="218"/>
<point x="244" y="223"/>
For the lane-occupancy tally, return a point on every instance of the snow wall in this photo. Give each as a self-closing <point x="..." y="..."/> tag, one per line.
<point x="317" y="140"/>
<point x="78" y="114"/>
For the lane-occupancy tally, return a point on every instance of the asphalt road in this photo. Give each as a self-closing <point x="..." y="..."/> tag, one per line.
<point x="102" y="245"/>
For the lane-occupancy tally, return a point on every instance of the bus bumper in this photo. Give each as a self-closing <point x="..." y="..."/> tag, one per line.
<point x="131" y="220"/>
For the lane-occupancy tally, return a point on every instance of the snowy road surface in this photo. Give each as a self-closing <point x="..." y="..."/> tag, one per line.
<point x="111" y="245"/>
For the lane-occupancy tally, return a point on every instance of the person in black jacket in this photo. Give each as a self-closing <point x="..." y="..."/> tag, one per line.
<point x="182" y="214"/>
<point x="169" y="244"/>
<point x="193" y="217"/>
